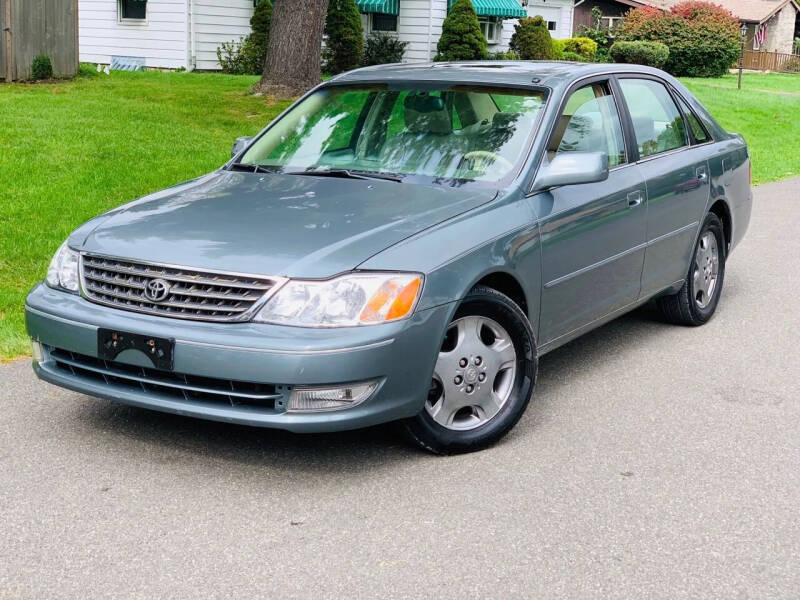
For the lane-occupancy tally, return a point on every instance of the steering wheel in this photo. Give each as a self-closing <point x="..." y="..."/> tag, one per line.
<point x="483" y="159"/>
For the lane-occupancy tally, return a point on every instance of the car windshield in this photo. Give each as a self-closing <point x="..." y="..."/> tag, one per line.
<point x="449" y="135"/>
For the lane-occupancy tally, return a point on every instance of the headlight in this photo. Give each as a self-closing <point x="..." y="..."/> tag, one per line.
<point x="63" y="270"/>
<point x="356" y="299"/>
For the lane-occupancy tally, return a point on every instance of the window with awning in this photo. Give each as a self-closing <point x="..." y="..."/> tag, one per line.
<point x="385" y="7"/>
<point x="507" y="9"/>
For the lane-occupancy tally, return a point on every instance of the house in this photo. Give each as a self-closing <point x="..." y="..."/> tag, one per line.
<point x="772" y="25"/>
<point x="170" y="34"/>
<point x="419" y="22"/>
<point x="613" y="13"/>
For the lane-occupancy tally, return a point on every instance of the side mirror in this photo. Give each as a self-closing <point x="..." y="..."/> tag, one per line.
<point x="240" y="144"/>
<point x="571" y="168"/>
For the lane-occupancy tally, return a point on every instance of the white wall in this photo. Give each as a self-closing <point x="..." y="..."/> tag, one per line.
<point x="218" y="21"/>
<point x="559" y="11"/>
<point x="160" y="39"/>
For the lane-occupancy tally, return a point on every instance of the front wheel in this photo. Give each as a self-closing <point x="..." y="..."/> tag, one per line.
<point x="483" y="379"/>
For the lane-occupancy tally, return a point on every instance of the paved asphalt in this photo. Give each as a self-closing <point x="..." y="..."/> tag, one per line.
<point x="655" y="462"/>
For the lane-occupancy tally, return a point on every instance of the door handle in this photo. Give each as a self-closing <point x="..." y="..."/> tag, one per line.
<point x="635" y="198"/>
<point x="702" y="174"/>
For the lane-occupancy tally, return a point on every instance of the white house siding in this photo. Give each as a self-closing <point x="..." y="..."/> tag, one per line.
<point x="218" y="21"/>
<point x="780" y="30"/>
<point x="559" y="11"/>
<point x="160" y="39"/>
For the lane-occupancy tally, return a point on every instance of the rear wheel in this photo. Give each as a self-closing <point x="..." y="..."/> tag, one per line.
<point x="697" y="300"/>
<point x="483" y="378"/>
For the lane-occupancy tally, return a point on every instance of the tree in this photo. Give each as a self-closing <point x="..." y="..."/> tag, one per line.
<point x="461" y="37"/>
<point x="259" y="23"/>
<point x="293" y="53"/>
<point x="531" y="40"/>
<point x="344" y="48"/>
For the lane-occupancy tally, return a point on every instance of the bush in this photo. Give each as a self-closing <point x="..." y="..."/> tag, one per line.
<point x="507" y="55"/>
<point x="344" y="48"/>
<point x="382" y="48"/>
<point x="240" y="58"/>
<point x="41" y="68"/>
<point x="599" y="35"/>
<point x="652" y="54"/>
<point x="791" y="66"/>
<point x="461" y="37"/>
<point x="585" y="47"/>
<point x="572" y="56"/>
<point x="260" y="23"/>
<point x="703" y="38"/>
<point x="531" y="40"/>
<point x="558" y="49"/>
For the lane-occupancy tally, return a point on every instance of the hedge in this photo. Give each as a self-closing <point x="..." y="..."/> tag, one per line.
<point x="652" y="54"/>
<point x="531" y="40"/>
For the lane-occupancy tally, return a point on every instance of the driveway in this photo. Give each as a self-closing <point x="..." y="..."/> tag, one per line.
<point x="655" y="462"/>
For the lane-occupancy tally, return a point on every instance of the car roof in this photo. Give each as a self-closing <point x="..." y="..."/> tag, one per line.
<point x="509" y="72"/>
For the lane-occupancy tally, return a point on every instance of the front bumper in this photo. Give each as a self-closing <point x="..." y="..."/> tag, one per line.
<point x="400" y="355"/>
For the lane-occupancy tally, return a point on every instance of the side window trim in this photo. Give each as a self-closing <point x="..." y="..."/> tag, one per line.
<point x="627" y="121"/>
<point x="671" y="93"/>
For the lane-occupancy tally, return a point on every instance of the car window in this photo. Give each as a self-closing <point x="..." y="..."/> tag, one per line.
<point x="698" y="131"/>
<point x="465" y="132"/>
<point x="657" y="123"/>
<point x="590" y="123"/>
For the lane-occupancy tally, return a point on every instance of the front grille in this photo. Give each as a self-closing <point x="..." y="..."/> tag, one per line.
<point x="192" y="294"/>
<point x="180" y="386"/>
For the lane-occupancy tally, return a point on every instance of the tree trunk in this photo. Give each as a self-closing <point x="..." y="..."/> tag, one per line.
<point x="295" y="41"/>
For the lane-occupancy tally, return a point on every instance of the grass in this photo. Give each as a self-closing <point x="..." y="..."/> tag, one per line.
<point x="767" y="120"/>
<point x="72" y="150"/>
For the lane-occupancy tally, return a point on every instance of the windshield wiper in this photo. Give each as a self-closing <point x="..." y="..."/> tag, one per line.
<point x="250" y="168"/>
<point x="347" y="174"/>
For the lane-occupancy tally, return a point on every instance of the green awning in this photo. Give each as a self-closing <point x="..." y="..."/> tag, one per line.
<point x="497" y="8"/>
<point x="386" y="7"/>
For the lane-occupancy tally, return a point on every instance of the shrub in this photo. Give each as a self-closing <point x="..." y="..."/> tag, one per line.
<point x="585" y="47"/>
<point x="344" y="48"/>
<point x="791" y="66"/>
<point x="652" y="54"/>
<point x="531" y="40"/>
<point x="41" y="68"/>
<point x="382" y="48"/>
<point x="558" y="49"/>
<point x="507" y="55"/>
<point x="703" y="38"/>
<point x="461" y="37"/>
<point x="240" y="58"/>
<point x="260" y="23"/>
<point x="599" y="35"/>
<point x="572" y="56"/>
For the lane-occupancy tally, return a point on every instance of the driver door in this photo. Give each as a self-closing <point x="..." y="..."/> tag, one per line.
<point x="593" y="235"/>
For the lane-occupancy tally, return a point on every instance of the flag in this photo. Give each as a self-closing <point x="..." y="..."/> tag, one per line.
<point x="761" y="35"/>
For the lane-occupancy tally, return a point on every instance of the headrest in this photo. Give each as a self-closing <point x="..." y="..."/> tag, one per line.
<point x="426" y="114"/>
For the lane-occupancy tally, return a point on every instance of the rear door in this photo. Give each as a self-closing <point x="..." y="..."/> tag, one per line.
<point x="593" y="235"/>
<point x="677" y="179"/>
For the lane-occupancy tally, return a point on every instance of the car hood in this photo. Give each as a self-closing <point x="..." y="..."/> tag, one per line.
<point x="273" y="224"/>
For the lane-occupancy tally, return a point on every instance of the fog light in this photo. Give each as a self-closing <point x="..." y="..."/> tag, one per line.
<point x="37" y="351"/>
<point x="310" y="399"/>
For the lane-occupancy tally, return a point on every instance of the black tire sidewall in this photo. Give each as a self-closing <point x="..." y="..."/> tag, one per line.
<point x="493" y="305"/>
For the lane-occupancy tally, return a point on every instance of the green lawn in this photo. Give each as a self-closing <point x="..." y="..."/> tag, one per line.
<point x="75" y="149"/>
<point x="769" y="122"/>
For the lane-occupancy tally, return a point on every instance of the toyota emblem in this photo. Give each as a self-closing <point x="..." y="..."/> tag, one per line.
<point x="156" y="290"/>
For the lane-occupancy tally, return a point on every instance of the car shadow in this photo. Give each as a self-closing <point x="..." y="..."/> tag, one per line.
<point x="374" y="447"/>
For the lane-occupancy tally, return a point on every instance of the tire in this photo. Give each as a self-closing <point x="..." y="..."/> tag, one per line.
<point x="485" y="329"/>
<point x="689" y="306"/>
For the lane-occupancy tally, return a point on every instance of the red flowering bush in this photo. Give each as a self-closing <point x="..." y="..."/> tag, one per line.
<point x="703" y="38"/>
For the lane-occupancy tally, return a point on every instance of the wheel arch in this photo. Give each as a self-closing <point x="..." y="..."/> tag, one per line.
<point x="723" y="211"/>
<point x="505" y="283"/>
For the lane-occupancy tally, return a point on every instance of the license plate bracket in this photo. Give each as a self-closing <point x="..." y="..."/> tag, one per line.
<point x="110" y="342"/>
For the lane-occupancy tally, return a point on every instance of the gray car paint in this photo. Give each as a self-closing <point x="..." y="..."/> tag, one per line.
<point x="575" y="256"/>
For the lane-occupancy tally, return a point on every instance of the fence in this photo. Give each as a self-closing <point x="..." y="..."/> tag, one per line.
<point x="32" y="27"/>
<point x="765" y="61"/>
